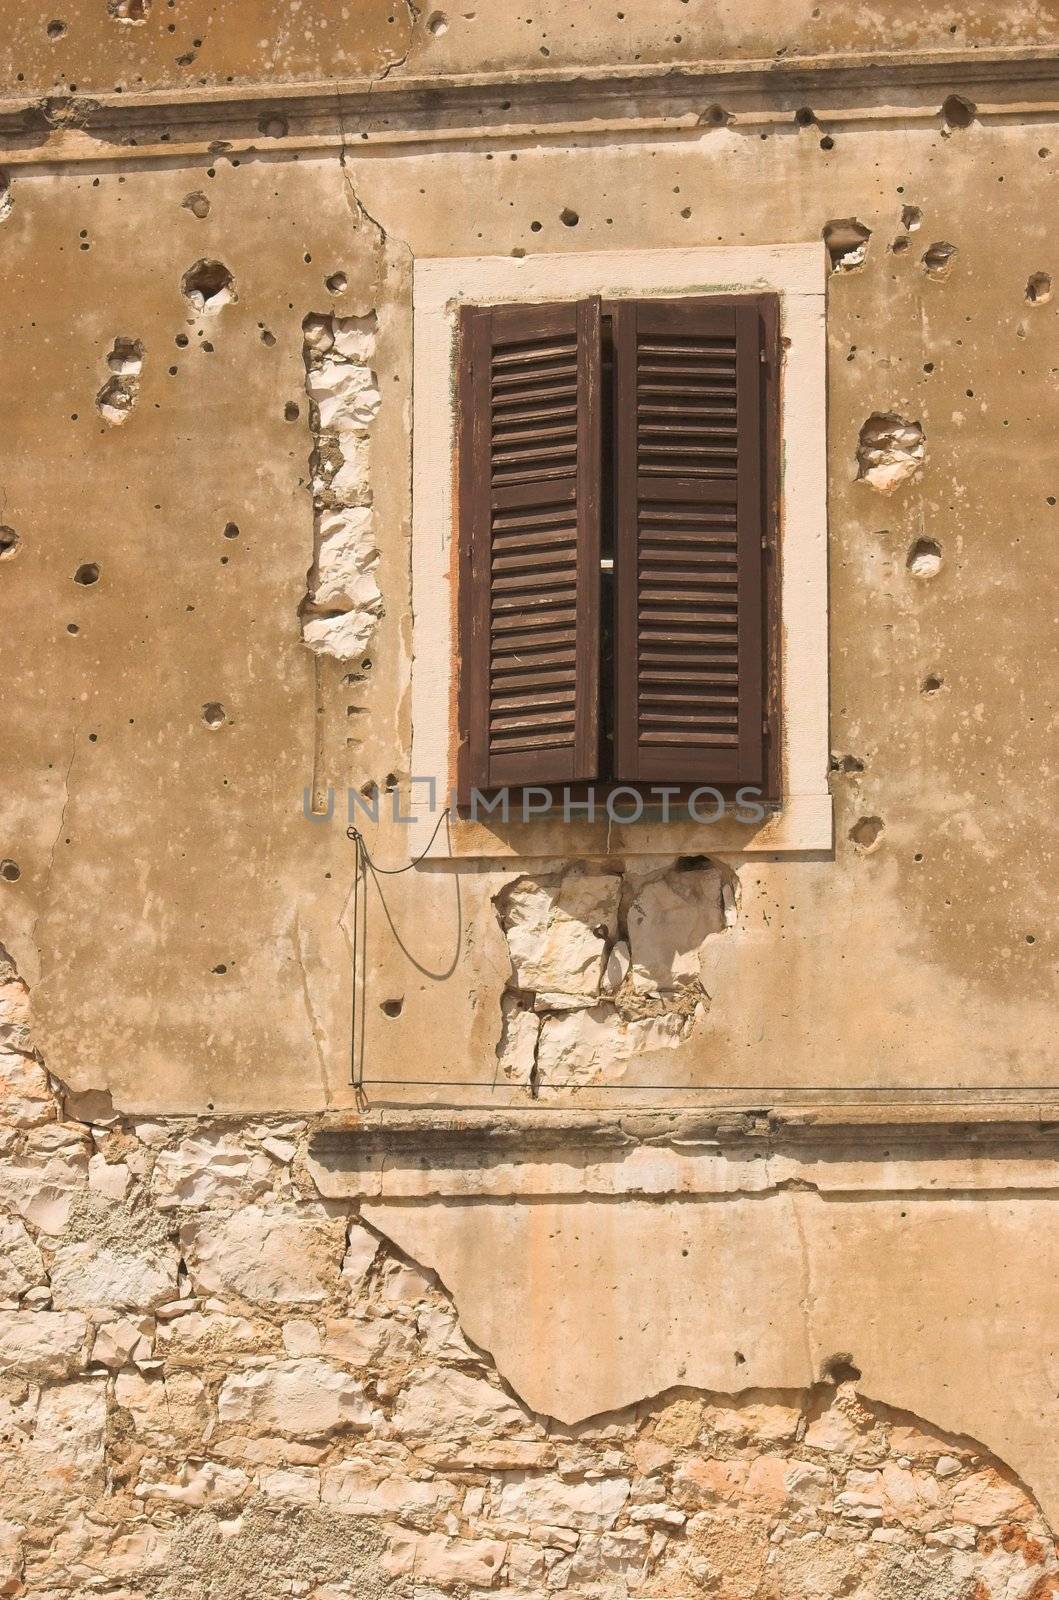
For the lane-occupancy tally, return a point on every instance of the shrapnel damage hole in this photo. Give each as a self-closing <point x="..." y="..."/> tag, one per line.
<point x="208" y="285"/>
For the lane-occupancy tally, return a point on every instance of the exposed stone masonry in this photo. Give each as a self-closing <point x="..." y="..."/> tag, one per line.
<point x="215" y="1383"/>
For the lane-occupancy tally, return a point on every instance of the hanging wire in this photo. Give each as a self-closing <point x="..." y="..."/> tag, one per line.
<point x="363" y="864"/>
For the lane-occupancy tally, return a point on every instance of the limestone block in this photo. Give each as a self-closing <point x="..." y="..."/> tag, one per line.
<point x="985" y="1499"/>
<point x="124" y="1340"/>
<point x="208" y="1169"/>
<point x="111" y="1179"/>
<point x="173" y="1408"/>
<point x="347" y="395"/>
<point x="347" y="555"/>
<point x="890" y="451"/>
<point x="558" y="927"/>
<point x="87" y="1276"/>
<point x="71" y="1429"/>
<point x="305" y="1397"/>
<point x="21" y="1264"/>
<point x="24" y="1093"/>
<point x="193" y="1483"/>
<point x="269" y="1258"/>
<point x="442" y="1402"/>
<point x="42" y="1344"/>
<point x="365" y="1489"/>
<point x="519" y="1032"/>
<point x="354" y="337"/>
<point x="345" y="636"/>
<point x="589" y="1504"/>
<point x="434" y="1558"/>
<point x="594" y="1045"/>
<point x="669" y="921"/>
<point x="362" y="1247"/>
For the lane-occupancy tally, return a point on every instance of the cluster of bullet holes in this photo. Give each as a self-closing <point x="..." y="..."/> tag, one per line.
<point x="5" y="196"/>
<point x="1039" y="289"/>
<point x="129" y="11"/>
<point x="208" y="285"/>
<point x="116" y="398"/>
<point x="866" y="833"/>
<point x="937" y="259"/>
<point x="924" y="558"/>
<point x="10" y="542"/>
<point x="846" y="240"/>
<point x="214" y="714"/>
<point x="846" y="764"/>
<point x="198" y="204"/>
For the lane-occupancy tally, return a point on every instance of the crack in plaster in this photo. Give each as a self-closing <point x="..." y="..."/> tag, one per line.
<point x="314" y="1022"/>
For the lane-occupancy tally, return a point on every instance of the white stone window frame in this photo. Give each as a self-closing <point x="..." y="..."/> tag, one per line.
<point x="802" y="820"/>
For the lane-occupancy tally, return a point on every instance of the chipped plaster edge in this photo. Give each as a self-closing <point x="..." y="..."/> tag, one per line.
<point x="798" y="273"/>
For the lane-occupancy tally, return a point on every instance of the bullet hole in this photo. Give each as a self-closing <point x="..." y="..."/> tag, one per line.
<point x="937" y="260"/>
<point x="827" y="143"/>
<point x="900" y="244"/>
<point x="739" y="1358"/>
<point x="273" y="127"/>
<point x="197" y="203"/>
<point x="208" y="285"/>
<point x="389" y="783"/>
<point x="5" y="196"/>
<point x="337" y="283"/>
<point x="847" y="243"/>
<point x="10" y="543"/>
<point x="231" y="530"/>
<point x="220" y="969"/>
<point x="181" y="341"/>
<point x="715" y="117"/>
<point x="958" y="112"/>
<point x="437" y="24"/>
<point x="115" y="400"/>
<point x="268" y="337"/>
<point x="918" y="856"/>
<point x="924" y="558"/>
<point x="173" y="371"/>
<point x="890" y="451"/>
<point x="840" y="1369"/>
<point x="568" y="218"/>
<point x="291" y="412"/>
<point x="87" y="573"/>
<point x="846" y="764"/>
<point x="126" y="357"/>
<point x="10" y="870"/>
<point x="931" y="684"/>
<point x="911" y="218"/>
<point x="129" y="11"/>
<point x="1031" y="938"/>
<point x="805" y="117"/>
<point x="56" y="29"/>
<point x="392" y="1008"/>
<point x="207" y="347"/>
<point x="366" y="664"/>
<point x="1039" y="289"/>
<point x="71" y="627"/>
<point x="685" y="212"/>
<point x="865" y="832"/>
<point x="535" y="227"/>
<point x="928" y="366"/>
<point x="93" y="738"/>
<point x="213" y="714"/>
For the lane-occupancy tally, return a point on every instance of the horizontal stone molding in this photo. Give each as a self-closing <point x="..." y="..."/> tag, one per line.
<point x="849" y="1151"/>
<point x="552" y="104"/>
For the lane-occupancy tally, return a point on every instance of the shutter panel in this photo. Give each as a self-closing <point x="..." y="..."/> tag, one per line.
<point x="689" y="678"/>
<point x="529" y="512"/>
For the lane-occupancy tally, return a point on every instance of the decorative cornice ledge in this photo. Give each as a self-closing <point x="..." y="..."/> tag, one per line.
<point x="425" y="1155"/>
<point x="1016" y="83"/>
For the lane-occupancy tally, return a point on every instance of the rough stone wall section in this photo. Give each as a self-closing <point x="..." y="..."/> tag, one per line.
<point x="213" y="1383"/>
<point x="343" y="602"/>
<point x="605" y="966"/>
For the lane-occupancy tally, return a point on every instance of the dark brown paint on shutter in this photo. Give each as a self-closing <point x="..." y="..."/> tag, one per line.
<point x="529" y="530"/>
<point x="691" y="504"/>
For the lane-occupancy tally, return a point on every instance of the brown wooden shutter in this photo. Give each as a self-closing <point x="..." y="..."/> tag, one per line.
<point x="690" y="387"/>
<point x="529" y="531"/>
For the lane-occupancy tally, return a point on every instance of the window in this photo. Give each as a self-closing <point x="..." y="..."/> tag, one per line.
<point x="618" y="484"/>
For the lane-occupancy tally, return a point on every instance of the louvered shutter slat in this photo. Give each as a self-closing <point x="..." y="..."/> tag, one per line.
<point x="690" y="503"/>
<point x="529" y="448"/>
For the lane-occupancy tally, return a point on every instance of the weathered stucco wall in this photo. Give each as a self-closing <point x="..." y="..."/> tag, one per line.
<point x="777" y="1367"/>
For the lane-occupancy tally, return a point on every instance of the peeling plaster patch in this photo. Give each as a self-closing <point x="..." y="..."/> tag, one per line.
<point x="116" y="398"/>
<point x="343" y="602"/>
<point x="603" y="968"/>
<point x="1039" y="289"/>
<point x="937" y="259"/>
<point x="847" y="243"/>
<point x="208" y="285"/>
<point x="5" y="196"/>
<point x="890" y="451"/>
<point x="924" y="558"/>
